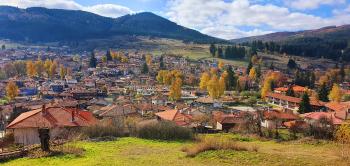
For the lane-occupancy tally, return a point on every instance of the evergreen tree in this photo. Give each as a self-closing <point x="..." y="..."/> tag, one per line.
<point x="250" y="66"/>
<point x="292" y="64"/>
<point x="258" y="72"/>
<point x="290" y="91"/>
<point x="231" y="78"/>
<point x="161" y="63"/>
<point x="323" y="93"/>
<point x="305" y="105"/>
<point x="93" y="61"/>
<point x="3" y="47"/>
<point x="246" y="86"/>
<point x="312" y="80"/>
<point x="220" y="52"/>
<point x="212" y="49"/>
<point x="108" y="55"/>
<point x="342" y="72"/>
<point x="272" y="67"/>
<point x="144" y="69"/>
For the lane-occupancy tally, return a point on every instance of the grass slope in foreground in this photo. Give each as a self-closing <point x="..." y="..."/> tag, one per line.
<point x="134" y="151"/>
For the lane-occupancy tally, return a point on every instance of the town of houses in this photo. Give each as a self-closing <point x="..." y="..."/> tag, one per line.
<point x="120" y="89"/>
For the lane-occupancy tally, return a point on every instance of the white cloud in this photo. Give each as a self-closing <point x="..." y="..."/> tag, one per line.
<point x="311" y="4"/>
<point x="221" y="18"/>
<point x="232" y="32"/>
<point x="108" y="10"/>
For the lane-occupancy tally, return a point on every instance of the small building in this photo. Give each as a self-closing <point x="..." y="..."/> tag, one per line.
<point x="175" y="116"/>
<point x="56" y="119"/>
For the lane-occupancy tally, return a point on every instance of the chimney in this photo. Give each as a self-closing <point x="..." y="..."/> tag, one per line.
<point x="43" y="110"/>
<point x="73" y="115"/>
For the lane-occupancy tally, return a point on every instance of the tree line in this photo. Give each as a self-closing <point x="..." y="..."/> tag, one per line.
<point x="336" y="49"/>
<point x="228" y="52"/>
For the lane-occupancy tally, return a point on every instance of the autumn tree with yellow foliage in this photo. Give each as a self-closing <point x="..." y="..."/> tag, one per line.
<point x="221" y="65"/>
<point x="149" y="60"/>
<point x="204" y="81"/>
<point x="335" y="94"/>
<point x="39" y="67"/>
<point x="161" y="76"/>
<point x="266" y="87"/>
<point x="175" y="89"/>
<point x="213" y="87"/>
<point x="53" y="68"/>
<point x="342" y="136"/>
<point x="11" y="90"/>
<point x="47" y="66"/>
<point x="63" y="72"/>
<point x="252" y="73"/>
<point x="222" y="84"/>
<point x="30" y="69"/>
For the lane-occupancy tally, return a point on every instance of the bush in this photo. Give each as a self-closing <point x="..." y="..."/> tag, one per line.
<point x="164" y="131"/>
<point x="56" y="151"/>
<point x="215" y="143"/>
<point x="7" y="140"/>
<point x="324" y="129"/>
<point x="98" y="131"/>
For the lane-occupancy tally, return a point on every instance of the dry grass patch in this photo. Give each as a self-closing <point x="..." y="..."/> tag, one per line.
<point x="57" y="151"/>
<point x="216" y="143"/>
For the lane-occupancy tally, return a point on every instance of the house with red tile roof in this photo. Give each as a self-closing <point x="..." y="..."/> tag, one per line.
<point x="313" y="118"/>
<point x="291" y="103"/>
<point x="341" y="109"/>
<point x="57" y="119"/>
<point x="299" y="90"/>
<point x="227" y="121"/>
<point x="175" y="116"/>
<point x="271" y="118"/>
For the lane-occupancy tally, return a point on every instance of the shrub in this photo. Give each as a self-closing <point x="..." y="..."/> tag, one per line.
<point x="164" y="131"/>
<point x="324" y="129"/>
<point x="56" y="151"/>
<point x="7" y="140"/>
<point x="98" y="131"/>
<point x="216" y="143"/>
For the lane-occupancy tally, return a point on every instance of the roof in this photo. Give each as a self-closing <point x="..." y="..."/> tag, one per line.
<point x="167" y="115"/>
<point x="230" y="118"/>
<point x="53" y="117"/>
<point x="313" y="101"/>
<point x="338" y="106"/>
<point x="117" y="110"/>
<point x="284" y="97"/>
<point x="296" y="88"/>
<point x="320" y="115"/>
<point x="280" y="115"/>
<point x="298" y="123"/>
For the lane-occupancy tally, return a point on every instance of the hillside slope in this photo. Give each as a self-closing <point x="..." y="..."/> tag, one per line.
<point x="48" y="25"/>
<point x="331" y="32"/>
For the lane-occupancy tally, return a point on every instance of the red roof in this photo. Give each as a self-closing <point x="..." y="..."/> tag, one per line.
<point x="279" y="115"/>
<point x="338" y="106"/>
<point x="296" y="88"/>
<point x="175" y="116"/>
<point x="53" y="117"/>
<point x="167" y="115"/>
<point x="283" y="97"/>
<point x="320" y="115"/>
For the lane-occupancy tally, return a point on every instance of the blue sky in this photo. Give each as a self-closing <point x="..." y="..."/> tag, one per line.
<point x="220" y="18"/>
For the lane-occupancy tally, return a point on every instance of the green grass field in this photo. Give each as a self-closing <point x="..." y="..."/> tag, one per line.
<point x="134" y="152"/>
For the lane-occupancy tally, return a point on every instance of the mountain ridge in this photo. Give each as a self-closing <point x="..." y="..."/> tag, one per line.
<point x="38" y="24"/>
<point x="340" y="32"/>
